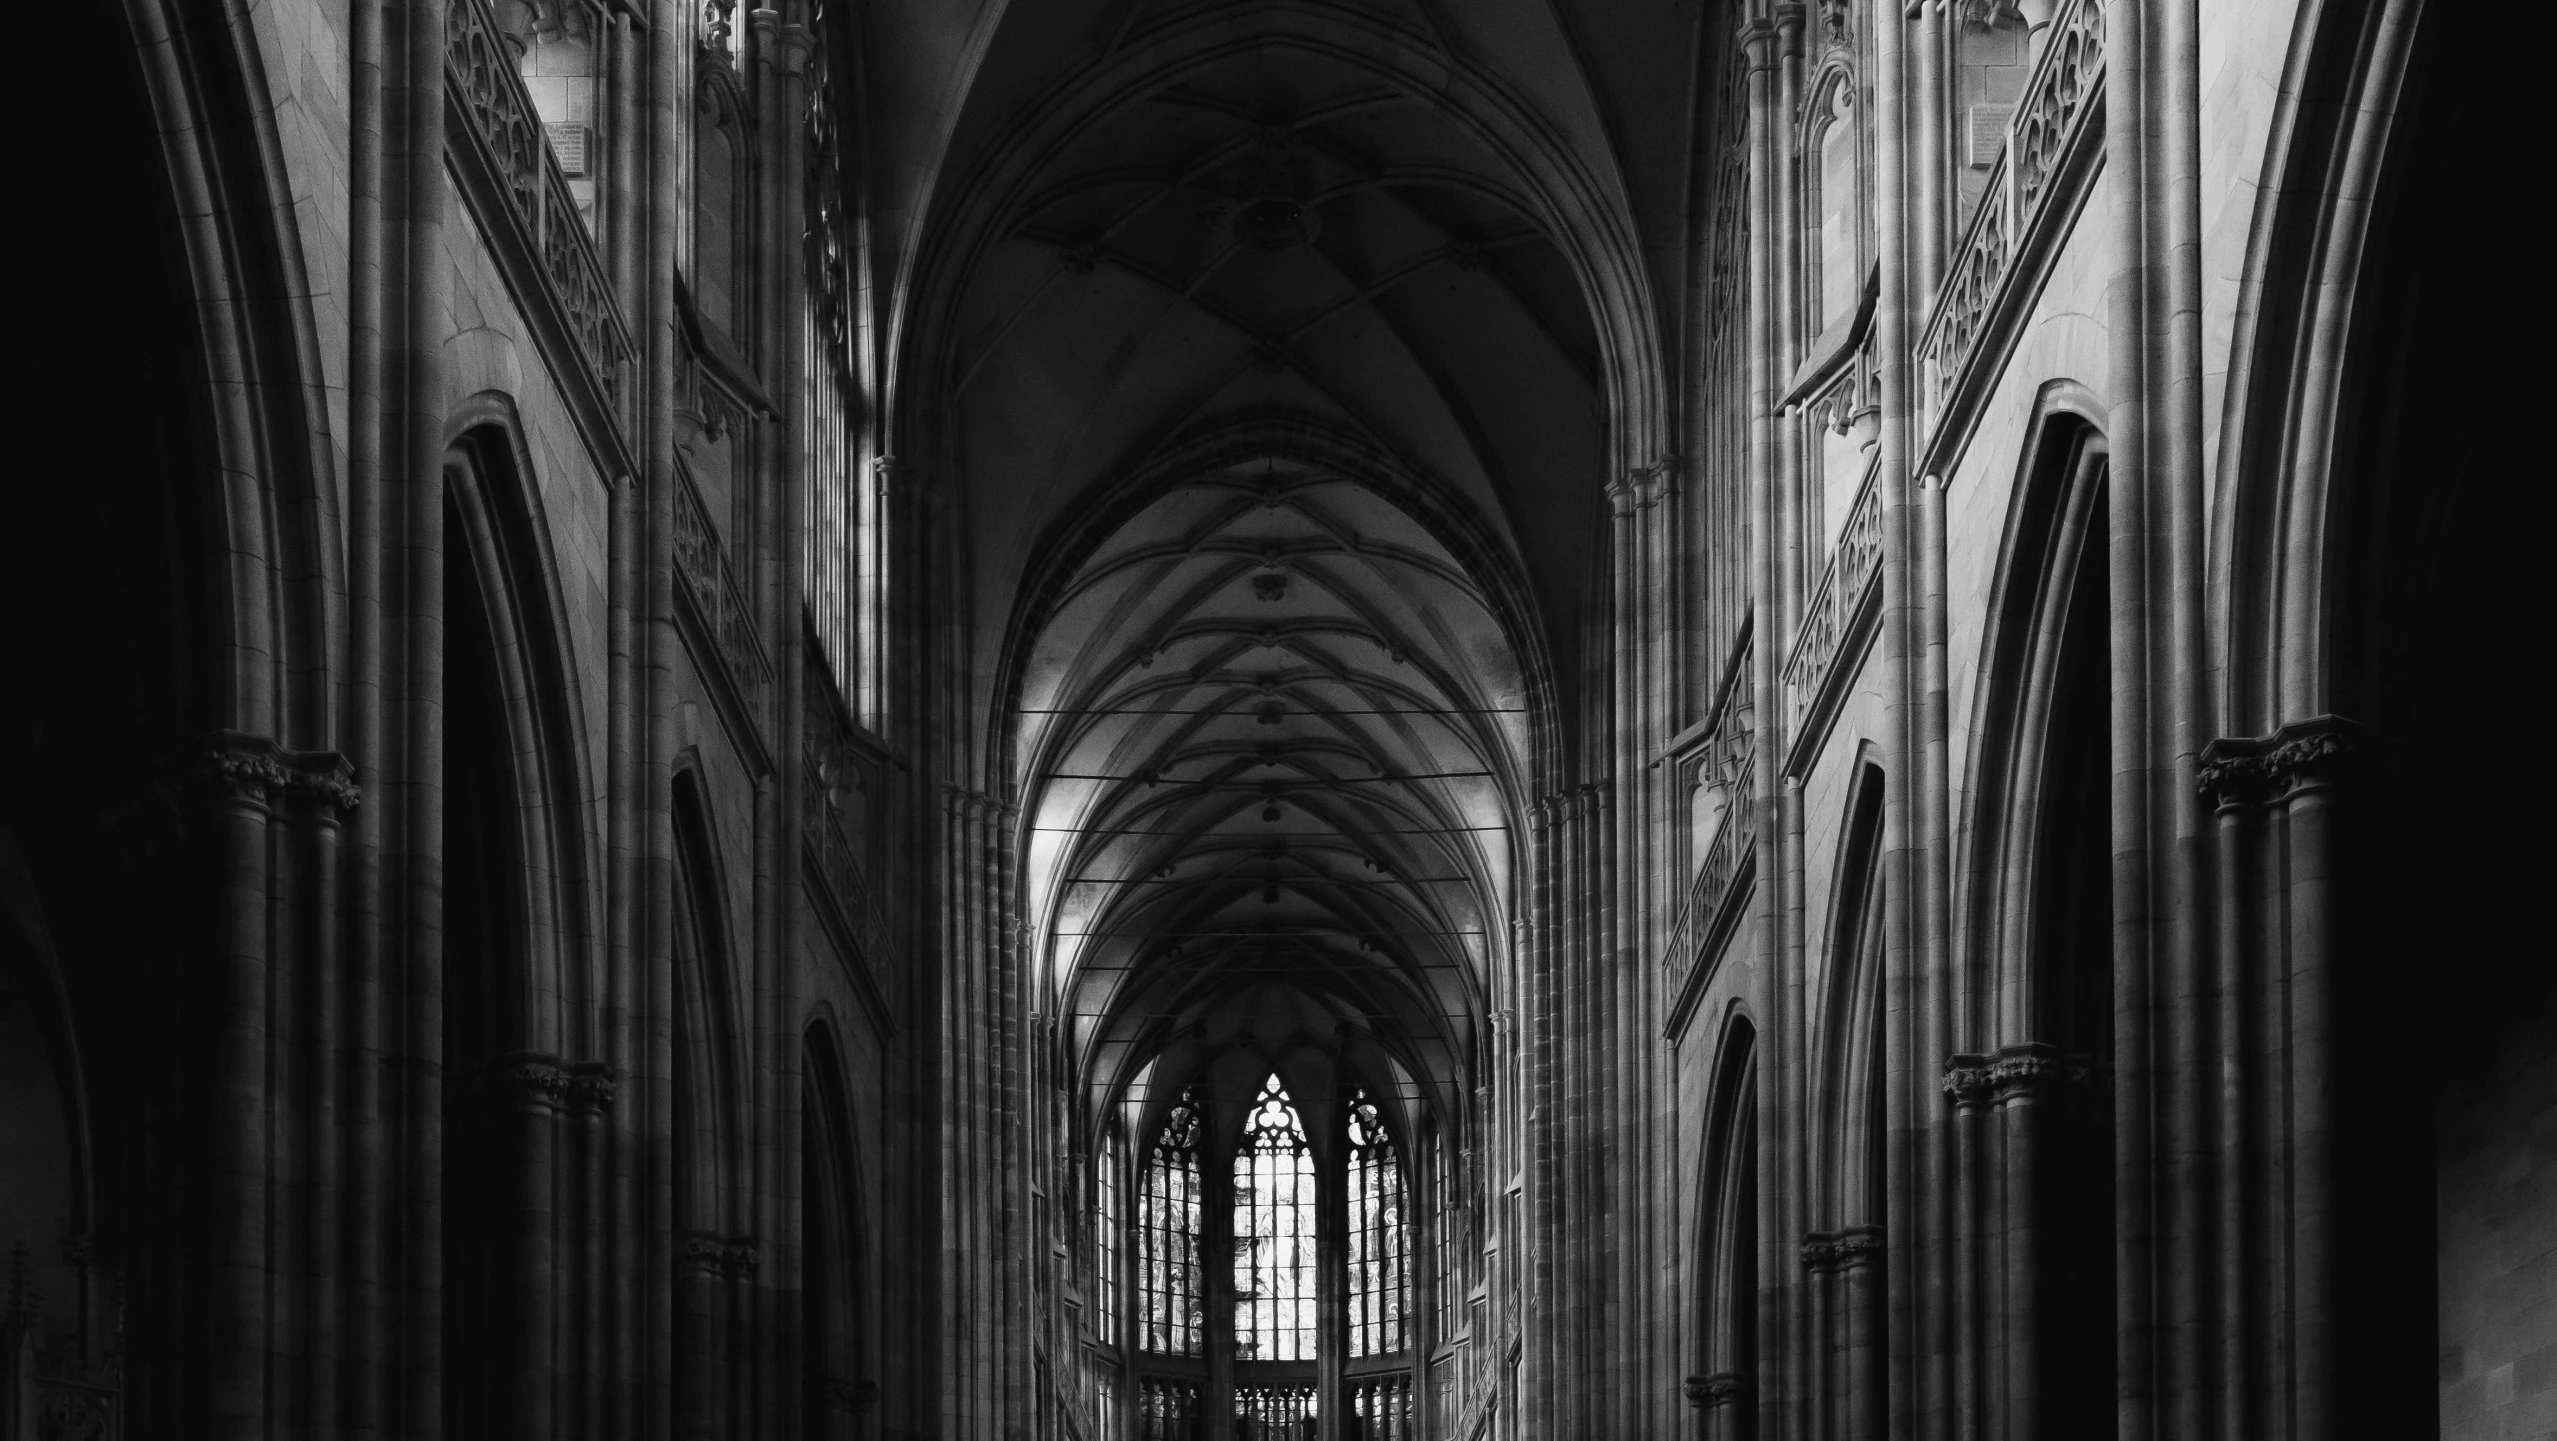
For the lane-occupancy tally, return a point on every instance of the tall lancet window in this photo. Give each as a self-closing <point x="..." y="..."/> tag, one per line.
<point x="1379" y="1270"/>
<point x="1274" y="1233"/>
<point x="1168" y="1237"/>
<point x="1106" y="1223"/>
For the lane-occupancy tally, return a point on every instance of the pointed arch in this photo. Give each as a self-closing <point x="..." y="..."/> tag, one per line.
<point x="503" y="587"/>
<point x="1724" y="1346"/>
<point x="1274" y="1231"/>
<point x="837" y="1322"/>
<point x="1170" y="1212"/>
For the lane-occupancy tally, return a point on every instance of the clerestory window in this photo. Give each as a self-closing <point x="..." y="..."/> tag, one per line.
<point x="1379" y="1271"/>
<point x="1270" y="1237"/>
<point x="1274" y="1240"/>
<point x="1168" y="1238"/>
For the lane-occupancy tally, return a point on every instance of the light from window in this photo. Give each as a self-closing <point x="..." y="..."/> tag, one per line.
<point x="1168" y="1220"/>
<point x="1273" y="1234"/>
<point x="1380" y="1283"/>
<point x="1443" y="1190"/>
<point x="1105" y="1249"/>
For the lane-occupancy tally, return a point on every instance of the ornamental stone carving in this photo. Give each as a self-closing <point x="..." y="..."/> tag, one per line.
<point x="1966" y="1079"/>
<point x="533" y="1078"/>
<point x="2238" y="771"/>
<point x="699" y="1253"/>
<point x="591" y="1087"/>
<point x="1719" y="1389"/>
<point x="254" y="770"/>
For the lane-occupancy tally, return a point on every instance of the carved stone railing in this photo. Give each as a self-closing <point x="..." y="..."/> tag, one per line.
<point x="710" y="587"/>
<point x="2061" y="101"/>
<point x="1698" y="924"/>
<point x="1383" y="1403"/>
<point x="1826" y="624"/>
<point x="525" y="207"/>
<point x="839" y="868"/>
<point x="1851" y="393"/>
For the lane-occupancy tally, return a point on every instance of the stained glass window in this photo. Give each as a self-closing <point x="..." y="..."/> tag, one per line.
<point x="1106" y="1224"/>
<point x="1380" y="1281"/>
<point x="1273" y="1233"/>
<point x="1443" y="1192"/>
<point x="1168" y="1236"/>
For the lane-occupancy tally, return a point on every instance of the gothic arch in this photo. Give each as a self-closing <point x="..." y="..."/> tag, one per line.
<point x="272" y="509"/>
<point x="500" y="534"/>
<point x="1568" y="195"/>
<point x="2054" y="532"/>
<point x="711" y="1082"/>
<point x="838" y="1321"/>
<point x="2302" y="359"/>
<point x="1723" y="1274"/>
<point x="1849" y="1038"/>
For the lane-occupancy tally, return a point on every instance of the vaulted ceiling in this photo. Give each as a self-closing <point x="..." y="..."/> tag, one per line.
<point x="1274" y="359"/>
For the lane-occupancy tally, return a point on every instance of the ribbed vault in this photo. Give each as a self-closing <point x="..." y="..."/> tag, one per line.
<point x="1274" y="733"/>
<point x="1281" y="348"/>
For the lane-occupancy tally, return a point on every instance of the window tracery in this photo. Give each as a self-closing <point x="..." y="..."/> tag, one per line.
<point x="1379" y="1273"/>
<point x="1107" y="1220"/>
<point x="1274" y="1240"/>
<point x="1168" y="1224"/>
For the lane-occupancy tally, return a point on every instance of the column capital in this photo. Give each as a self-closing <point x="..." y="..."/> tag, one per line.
<point x="2236" y="771"/>
<point x="591" y="1087"/>
<point x="1719" y="1389"/>
<point x="1966" y="1079"/>
<point x="531" y="1078"/>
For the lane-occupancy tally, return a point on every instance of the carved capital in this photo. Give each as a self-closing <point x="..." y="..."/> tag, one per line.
<point x="2232" y="773"/>
<point x="845" y="1394"/>
<point x="234" y="766"/>
<point x="1857" y="1246"/>
<point x="738" y="1258"/>
<point x="532" y="1078"/>
<point x="2314" y="752"/>
<point x="324" y="780"/>
<point x="1819" y="1250"/>
<point x="1719" y="1389"/>
<point x="699" y="1253"/>
<point x="2028" y="1069"/>
<point x="2254" y="770"/>
<point x="1966" y="1079"/>
<point x="591" y="1087"/>
<point x="238" y="767"/>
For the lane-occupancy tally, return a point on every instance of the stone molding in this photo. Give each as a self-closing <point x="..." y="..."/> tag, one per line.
<point x="592" y="1087"/>
<point x="515" y="190"/>
<point x="254" y="770"/>
<point x="1722" y="1388"/>
<point x="2239" y="771"/>
<point x="532" y="1076"/>
<point x="1831" y="1250"/>
<point x="704" y="1254"/>
<point x="2028" y="1068"/>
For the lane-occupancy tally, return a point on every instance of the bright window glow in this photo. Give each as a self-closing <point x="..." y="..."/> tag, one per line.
<point x="1273" y="1234"/>
<point x="1107" y="1220"/>
<point x="1380" y="1280"/>
<point x="1168" y="1221"/>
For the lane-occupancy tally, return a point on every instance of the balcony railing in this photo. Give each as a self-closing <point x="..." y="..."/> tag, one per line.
<point x="1168" y="1410"/>
<point x="1826" y="623"/>
<point x="550" y="253"/>
<point x="710" y="586"/>
<point x="1711" y="889"/>
<point x="2061" y="97"/>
